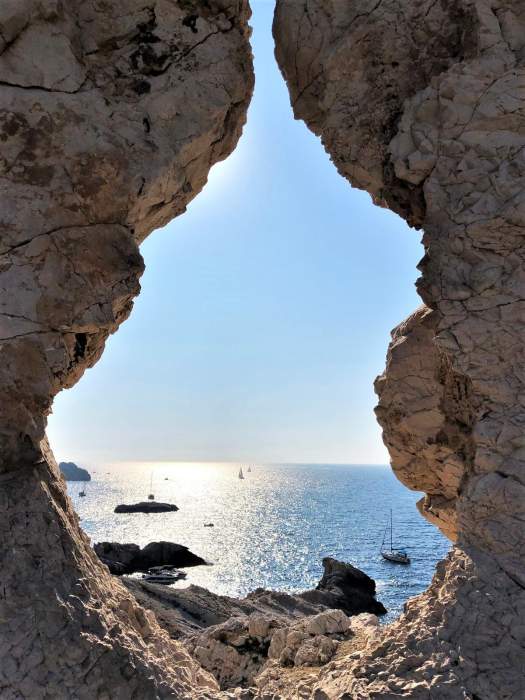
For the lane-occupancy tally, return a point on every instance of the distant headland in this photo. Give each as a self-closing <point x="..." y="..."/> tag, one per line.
<point x="72" y="472"/>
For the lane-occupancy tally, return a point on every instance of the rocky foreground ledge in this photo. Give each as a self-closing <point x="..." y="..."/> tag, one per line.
<point x="239" y="639"/>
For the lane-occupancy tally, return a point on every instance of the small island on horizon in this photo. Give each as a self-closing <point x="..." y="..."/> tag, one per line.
<point x="72" y="472"/>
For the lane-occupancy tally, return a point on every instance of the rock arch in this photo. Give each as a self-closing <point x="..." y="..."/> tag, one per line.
<point x="421" y="104"/>
<point x="111" y="115"/>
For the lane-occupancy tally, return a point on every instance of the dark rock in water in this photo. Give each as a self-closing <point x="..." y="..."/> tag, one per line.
<point x="146" y="507"/>
<point x="158" y="553"/>
<point x="72" y="472"/>
<point x="128" y="558"/>
<point x="346" y="588"/>
<point x="119" y="558"/>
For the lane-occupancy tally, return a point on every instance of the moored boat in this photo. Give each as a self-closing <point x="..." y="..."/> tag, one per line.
<point x="396" y="556"/>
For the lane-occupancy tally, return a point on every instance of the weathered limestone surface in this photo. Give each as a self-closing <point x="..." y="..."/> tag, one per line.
<point x="237" y="639"/>
<point x="422" y="104"/>
<point x="111" y="115"/>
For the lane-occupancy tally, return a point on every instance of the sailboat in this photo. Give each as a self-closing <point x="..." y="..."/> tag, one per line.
<point x="82" y="492"/>
<point x="398" y="556"/>
<point x="249" y="469"/>
<point x="241" y="475"/>
<point x="151" y="496"/>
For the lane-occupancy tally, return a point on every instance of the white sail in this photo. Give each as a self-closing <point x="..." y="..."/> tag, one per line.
<point x="241" y="475"/>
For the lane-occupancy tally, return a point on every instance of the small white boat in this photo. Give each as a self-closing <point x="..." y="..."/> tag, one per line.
<point x="241" y="475"/>
<point x="163" y="578"/>
<point x="397" y="556"/>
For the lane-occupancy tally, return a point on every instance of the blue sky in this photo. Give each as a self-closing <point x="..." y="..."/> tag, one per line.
<point x="264" y="315"/>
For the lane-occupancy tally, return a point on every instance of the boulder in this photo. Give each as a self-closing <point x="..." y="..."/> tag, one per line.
<point x="129" y="558"/>
<point x="159" y="553"/>
<point x="236" y="651"/>
<point x="72" y="472"/>
<point x="344" y="587"/>
<point x="146" y="507"/>
<point x="238" y="639"/>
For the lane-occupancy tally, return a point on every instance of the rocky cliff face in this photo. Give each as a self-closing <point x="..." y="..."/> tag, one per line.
<point x="422" y="105"/>
<point x="111" y="115"/>
<point x="242" y="640"/>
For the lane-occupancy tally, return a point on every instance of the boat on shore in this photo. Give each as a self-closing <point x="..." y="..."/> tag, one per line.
<point x="164" y="578"/>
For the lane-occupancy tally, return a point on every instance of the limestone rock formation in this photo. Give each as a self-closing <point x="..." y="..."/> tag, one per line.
<point x="344" y="587"/>
<point x="128" y="558"/>
<point x="237" y="640"/>
<point x="184" y="611"/>
<point x="111" y="115"/>
<point x="422" y="104"/>
<point x="72" y="472"/>
<point x="238" y="650"/>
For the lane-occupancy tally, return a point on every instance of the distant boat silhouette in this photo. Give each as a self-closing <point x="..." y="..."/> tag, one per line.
<point x="82" y="493"/>
<point x="249" y="469"/>
<point x="151" y="496"/>
<point x="241" y="475"/>
<point x="397" y="556"/>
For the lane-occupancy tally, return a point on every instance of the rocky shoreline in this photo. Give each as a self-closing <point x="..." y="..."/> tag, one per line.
<point x="237" y="639"/>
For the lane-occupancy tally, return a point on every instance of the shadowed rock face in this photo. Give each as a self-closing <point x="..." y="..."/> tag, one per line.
<point x="423" y="105"/>
<point x="111" y="115"/>
<point x="128" y="558"/>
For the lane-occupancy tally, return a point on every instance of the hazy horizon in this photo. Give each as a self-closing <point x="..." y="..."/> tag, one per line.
<point x="264" y="315"/>
<point x="119" y="463"/>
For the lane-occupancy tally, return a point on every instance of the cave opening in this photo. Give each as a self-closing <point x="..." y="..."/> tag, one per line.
<point x="262" y="322"/>
<point x="112" y="116"/>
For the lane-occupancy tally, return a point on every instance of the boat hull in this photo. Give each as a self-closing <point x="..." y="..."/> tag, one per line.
<point x="395" y="558"/>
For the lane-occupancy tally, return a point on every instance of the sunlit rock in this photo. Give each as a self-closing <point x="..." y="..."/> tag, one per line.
<point x="111" y="115"/>
<point x="422" y="105"/>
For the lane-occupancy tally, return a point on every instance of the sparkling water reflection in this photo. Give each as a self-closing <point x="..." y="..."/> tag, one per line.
<point x="273" y="528"/>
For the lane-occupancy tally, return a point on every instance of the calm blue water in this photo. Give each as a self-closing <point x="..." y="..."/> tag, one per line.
<point x="273" y="528"/>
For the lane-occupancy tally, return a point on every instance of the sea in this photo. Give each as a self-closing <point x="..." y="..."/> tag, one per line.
<point x="272" y="528"/>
